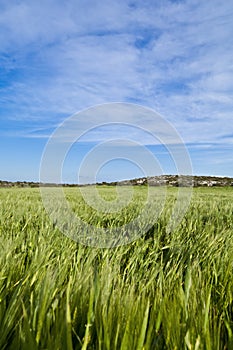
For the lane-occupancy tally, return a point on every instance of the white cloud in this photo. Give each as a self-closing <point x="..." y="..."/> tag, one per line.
<point x="174" y="57"/>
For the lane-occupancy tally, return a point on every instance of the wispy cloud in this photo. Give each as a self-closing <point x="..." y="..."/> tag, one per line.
<point x="173" y="56"/>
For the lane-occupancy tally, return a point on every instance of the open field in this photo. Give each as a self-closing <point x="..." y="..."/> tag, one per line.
<point x="160" y="292"/>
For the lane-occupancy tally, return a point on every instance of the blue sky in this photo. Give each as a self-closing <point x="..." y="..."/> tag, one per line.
<point x="60" y="57"/>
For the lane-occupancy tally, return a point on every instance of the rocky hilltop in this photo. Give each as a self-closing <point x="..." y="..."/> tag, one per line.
<point x="163" y="180"/>
<point x="175" y="181"/>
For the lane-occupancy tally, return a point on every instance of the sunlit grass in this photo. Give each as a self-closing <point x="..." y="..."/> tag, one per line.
<point x="159" y="292"/>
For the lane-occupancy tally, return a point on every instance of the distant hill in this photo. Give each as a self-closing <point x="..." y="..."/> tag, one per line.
<point x="182" y="180"/>
<point x="163" y="180"/>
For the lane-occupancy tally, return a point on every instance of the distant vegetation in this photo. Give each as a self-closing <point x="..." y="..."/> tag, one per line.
<point x="163" y="291"/>
<point x="163" y="180"/>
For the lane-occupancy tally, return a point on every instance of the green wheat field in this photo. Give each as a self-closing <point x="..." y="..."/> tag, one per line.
<point x="162" y="291"/>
